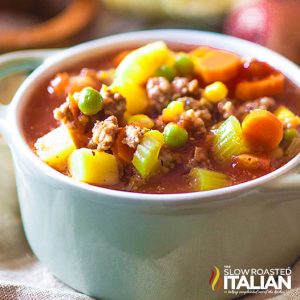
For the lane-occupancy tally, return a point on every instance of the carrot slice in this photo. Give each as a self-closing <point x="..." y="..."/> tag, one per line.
<point x="217" y="65"/>
<point x="270" y="86"/>
<point x="262" y="130"/>
<point x="121" y="150"/>
<point x="252" y="162"/>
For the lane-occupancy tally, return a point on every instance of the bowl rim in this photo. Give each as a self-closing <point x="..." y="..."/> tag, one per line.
<point x="216" y="40"/>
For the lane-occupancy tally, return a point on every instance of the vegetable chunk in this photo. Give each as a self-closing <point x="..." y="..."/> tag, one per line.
<point x="216" y="65"/>
<point x="55" y="147"/>
<point x="93" y="167"/>
<point x="229" y="141"/>
<point x="145" y="158"/>
<point x="136" y="68"/>
<point x="141" y="64"/>
<point x="262" y="130"/>
<point x="269" y="86"/>
<point x="204" y="180"/>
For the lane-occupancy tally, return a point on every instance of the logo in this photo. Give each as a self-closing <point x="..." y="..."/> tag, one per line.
<point x="215" y="279"/>
<point x="250" y="281"/>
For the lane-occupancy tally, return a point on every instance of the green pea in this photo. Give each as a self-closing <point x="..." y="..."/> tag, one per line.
<point x="90" y="101"/>
<point x="184" y="65"/>
<point x="175" y="136"/>
<point x="166" y="71"/>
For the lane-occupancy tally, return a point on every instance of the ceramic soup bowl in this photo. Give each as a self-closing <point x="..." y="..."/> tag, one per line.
<point x="128" y="246"/>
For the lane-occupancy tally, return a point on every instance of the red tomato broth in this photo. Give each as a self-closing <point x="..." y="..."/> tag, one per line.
<point x="38" y="120"/>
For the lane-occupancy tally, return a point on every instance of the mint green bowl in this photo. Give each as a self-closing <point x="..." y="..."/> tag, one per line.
<point x="126" y="246"/>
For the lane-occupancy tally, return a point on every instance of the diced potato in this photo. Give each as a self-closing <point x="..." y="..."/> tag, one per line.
<point x="142" y="63"/>
<point x="93" y="167"/>
<point x="144" y="120"/>
<point x="55" y="147"/>
<point x="136" y="96"/>
<point x="135" y="69"/>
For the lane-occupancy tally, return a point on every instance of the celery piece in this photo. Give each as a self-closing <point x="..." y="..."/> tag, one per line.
<point x="293" y="149"/>
<point x="204" y="180"/>
<point x="145" y="158"/>
<point x="229" y="141"/>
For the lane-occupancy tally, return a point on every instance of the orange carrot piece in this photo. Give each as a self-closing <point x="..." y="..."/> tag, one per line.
<point x="121" y="150"/>
<point x="269" y="86"/>
<point x="218" y="65"/>
<point x="262" y="130"/>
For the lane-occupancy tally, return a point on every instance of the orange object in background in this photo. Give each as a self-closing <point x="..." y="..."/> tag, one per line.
<point x="40" y="30"/>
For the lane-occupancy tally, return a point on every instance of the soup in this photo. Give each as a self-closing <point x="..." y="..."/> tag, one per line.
<point x="158" y="120"/>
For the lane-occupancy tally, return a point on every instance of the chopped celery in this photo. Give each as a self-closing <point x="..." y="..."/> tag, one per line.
<point x="229" y="141"/>
<point x="204" y="180"/>
<point x="145" y="158"/>
<point x="293" y="149"/>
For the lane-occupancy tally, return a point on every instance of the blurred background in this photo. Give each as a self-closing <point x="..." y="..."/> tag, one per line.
<point x="28" y="24"/>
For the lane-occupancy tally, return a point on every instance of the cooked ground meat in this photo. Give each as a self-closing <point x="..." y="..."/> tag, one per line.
<point x="266" y="103"/>
<point x="69" y="114"/>
<point x="169" y="159"/>
<point x="192" y="103"/>
<point x="191" y="120"/>
<point x="134" y="135"/>
<point x="64" y="113"/>
<point x="113" y="103"/>
<point x="201" y="108"/>
<point x="159" y="91"/>
<point x="104" y="133"/>
<point x="226" y="109"/>
<point x="200" y="159"/>
<point x="183" y="87"/>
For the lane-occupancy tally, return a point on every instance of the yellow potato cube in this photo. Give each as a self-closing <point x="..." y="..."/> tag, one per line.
<point x="136" y="96"/>
<point x="133" y="72"/>
<point x="93" y="167"/>
<point x="55" y="147"/>
<point x="142" y="63"/>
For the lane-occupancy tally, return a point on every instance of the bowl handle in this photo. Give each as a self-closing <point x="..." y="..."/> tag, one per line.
<point x="19" y="63"/>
